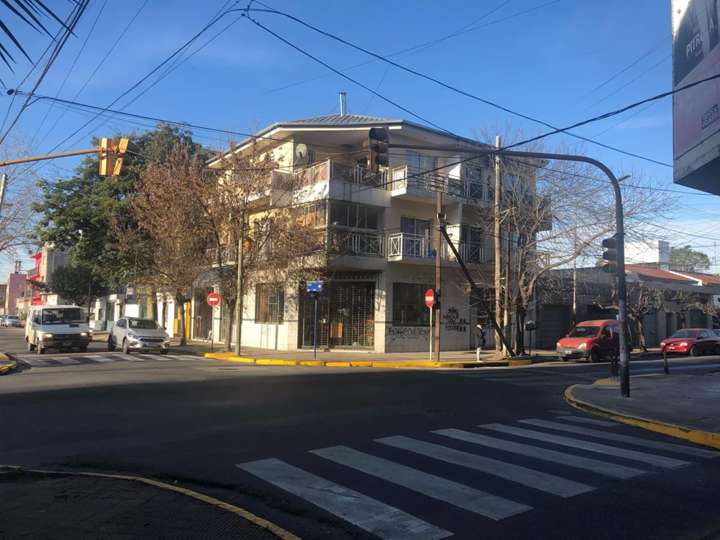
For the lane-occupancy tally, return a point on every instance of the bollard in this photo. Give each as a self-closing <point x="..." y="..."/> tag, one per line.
<point x="666" y="368"/>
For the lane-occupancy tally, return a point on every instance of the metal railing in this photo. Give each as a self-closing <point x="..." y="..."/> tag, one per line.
<point x="352" y="242"/>
<point x="331" y="169"/>
<point x="400" y="245"/>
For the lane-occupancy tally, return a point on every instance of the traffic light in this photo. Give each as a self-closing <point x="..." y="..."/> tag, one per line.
<point x="610" y="254"/>
<point x="111" y="156"/>
<point x="105" y="157"/>
<point x="378" y="141"/>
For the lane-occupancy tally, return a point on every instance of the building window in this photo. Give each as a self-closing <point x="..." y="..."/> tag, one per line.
<point x="409" y="307"/>
<point x="269" y="303"/>
<point x="357" y="216"/>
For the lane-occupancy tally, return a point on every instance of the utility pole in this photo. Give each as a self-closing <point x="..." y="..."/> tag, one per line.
<point x="506" y="291"/>
<point x="497" y="208"/>
<point x="3" y="181"/>
<point x="239" y="286"/>
<point x="574" y="276"/>
<point x="438" y="273"/>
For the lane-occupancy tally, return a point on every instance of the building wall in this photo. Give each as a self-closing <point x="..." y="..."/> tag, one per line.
<point x="16" y="288"/>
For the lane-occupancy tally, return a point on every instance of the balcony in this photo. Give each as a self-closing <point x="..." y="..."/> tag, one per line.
<point x="404" y="181"/>
<point x="337" y="180"/>
<point x="406" y="247"/>
<point x="353" y="242"/>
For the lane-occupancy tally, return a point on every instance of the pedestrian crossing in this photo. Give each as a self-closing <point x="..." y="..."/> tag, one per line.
<point x="526" y="378"/>
<point x="48" y="361"/>
<point x="492" y="471"/>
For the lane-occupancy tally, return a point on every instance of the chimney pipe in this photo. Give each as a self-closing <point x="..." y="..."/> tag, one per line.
<point x="343" y="103"/>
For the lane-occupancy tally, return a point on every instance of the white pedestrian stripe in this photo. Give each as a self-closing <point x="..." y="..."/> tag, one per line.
<point x="100" y="359"/>
<point x="637" y="441"/>
<point x="604" y="468"/>
<point x="515" y="473"/>
<point x="366" y="513"/>
<point x="651" y="459"/>
<point x="583" y="420"/>
<point x="457" y="494"/>
<point x="67" y="361"/>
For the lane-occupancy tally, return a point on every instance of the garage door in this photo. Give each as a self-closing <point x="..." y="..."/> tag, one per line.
<point x="554" y="322"/>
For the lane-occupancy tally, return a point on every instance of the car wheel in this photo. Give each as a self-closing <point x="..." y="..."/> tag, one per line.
<point x="164" y="351"/>
<point x="30" y="346"/>
<point x="594" y="356"/>
<point x="83" y="349"/>
<point x="39" y="348"/>
<point x="111" y="344"/>
<point x="694" y="350"/>
<point x="125" y="347"/>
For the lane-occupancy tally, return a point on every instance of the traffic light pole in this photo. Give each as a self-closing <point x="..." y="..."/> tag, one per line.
<point x="619" y="226"/>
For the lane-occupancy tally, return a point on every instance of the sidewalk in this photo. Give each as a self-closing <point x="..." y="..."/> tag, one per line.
<point x="66" y="505"/>
<point x="682" y="406"/>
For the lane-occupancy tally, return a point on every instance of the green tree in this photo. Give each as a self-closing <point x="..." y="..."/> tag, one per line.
<point x="76" y="284"/>
<point x="88" y="214"/>
<point x="687" y="259"/>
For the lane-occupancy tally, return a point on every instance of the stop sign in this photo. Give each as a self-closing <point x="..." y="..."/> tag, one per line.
<point x="429" y="298"/>
<point x="213" y="299"/>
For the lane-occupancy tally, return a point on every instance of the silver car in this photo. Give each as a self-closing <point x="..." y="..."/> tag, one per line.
<point x="133" y="334"/>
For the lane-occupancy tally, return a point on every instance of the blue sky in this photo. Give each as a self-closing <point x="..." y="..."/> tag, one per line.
<point x="562" y="62"/>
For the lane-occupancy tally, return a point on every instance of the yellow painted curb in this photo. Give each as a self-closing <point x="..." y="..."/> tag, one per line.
<point x="311" y="363"/>
<point x="249" y="516"/>
<point x="705" y="438"/>
<point x="275" y="362"/>
<point x="607" y="381"/>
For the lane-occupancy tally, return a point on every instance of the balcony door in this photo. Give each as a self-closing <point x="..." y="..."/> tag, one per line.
<point x="415" y="233"/>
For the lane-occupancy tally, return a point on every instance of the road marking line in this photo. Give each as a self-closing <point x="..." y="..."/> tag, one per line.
<point x="35" y="362"/>
<point x="515" y="473"/>
<point x="582" y="420"/>
<point x="365" y="512"/>
<point x="651" y="459"/>
<point x="454" y="493"/>
<point x="101" y="359"/>
<point x="157" y="357"/>
<point x="604" y="468"/>
<point x="638" y="441"/>
<point x="69" y="361"/>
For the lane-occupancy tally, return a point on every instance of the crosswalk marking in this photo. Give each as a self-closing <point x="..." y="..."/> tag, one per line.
<point x="515" y="473"/>
<point x="651" y="459"/>
<point x="622" y="438"/>
<point x="604" y="468"/>
<point x="101" y="359"/>
<point x="366" y="513"/>
<point x="583" y="420"/>
<point x="457" y="494"/>
<point x="68" y="361"/>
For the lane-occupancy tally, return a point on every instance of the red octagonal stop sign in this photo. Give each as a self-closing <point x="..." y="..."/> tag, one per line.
<point x="429" y="298"/>
<point x="213" y="299"/>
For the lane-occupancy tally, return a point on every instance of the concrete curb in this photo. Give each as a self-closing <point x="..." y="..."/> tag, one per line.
<point x="705" y="438"/>
<point x="409" y="364"/>
<point x="278" y="531"/>
<point x="8" y="364"/>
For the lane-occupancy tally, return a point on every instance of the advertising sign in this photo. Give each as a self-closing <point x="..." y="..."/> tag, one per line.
<point x="696" y="111"/>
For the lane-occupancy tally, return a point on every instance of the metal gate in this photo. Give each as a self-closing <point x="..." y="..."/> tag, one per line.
<point x="346" y="316"/>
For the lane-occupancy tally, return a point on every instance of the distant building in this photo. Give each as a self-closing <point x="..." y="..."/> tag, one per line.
<point x="47" y="260"/>
<point x="15" y="289"/>
<point x="3" y="292"/>
<point x="651" y="252"/>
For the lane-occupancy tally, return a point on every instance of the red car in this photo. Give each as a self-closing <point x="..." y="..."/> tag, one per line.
<point x="591" y="340"/>
<point x="692" y="341"/>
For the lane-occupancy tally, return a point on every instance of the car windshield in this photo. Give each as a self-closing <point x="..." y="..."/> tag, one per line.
<point x="142" y="324"/>
<point x="63" y="316"/>
<point x="584" y="331"/>
<point x="686" y="333"/>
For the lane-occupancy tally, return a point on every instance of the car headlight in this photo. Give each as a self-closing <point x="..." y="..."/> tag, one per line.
<point x="46" y="335"/>
<point x="83" y="334"/>
<point x="582" y="346"/>
<point x="683" y="344"/>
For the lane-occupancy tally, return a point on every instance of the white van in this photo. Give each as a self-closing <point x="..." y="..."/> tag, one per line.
<point x="57" y="327"/>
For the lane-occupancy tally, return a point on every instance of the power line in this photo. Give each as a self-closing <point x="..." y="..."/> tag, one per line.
<point x="434" y="80"/>
<point x="77" y="13"/>
<point x="423" y="45"/>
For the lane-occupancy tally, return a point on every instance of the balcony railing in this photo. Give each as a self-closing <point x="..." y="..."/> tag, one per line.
<point x="403" y="177"/>
<point x="350" y="242"/>
<point x="331" y="169"/>
<point x="402" y="245"/>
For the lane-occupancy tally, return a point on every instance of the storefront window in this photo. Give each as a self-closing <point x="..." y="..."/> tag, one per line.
<point x="409" y="307"/>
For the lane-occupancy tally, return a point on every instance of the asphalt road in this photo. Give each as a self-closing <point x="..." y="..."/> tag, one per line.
<point x="360" y="453"/>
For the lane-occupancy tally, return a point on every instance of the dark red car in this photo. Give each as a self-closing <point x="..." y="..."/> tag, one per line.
<point x="692" y="341"/>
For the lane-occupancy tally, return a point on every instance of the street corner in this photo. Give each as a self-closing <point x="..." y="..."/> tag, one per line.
<point x="644" y="410"/>
<point x="7" y="364"/>
<point x="74" y="504"/>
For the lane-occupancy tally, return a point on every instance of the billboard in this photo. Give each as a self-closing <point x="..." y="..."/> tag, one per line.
<point x="696" y="111"/>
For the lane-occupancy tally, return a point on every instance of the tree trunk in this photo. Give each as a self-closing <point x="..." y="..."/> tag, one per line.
<point x="641" y="333"/>
<point x="179" y="300"/>
<point x="153" y="304"/>
<point x="164" y="313"/>
<point x="520" y="329"/>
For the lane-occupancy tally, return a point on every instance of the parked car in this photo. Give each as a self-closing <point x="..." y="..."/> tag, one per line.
<point x="692" y="341"/>
<point x="57" y="327"/>
<point x="2" y="320"/>
<point x="12" y="320"/>
<point x="591" y="340"/>
<point x="138" y="334"/>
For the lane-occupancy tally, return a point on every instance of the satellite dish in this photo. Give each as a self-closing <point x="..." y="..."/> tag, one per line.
<point x="302" y="155"/>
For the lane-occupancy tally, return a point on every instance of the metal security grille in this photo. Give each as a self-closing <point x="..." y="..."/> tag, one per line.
<point x="346" y="316"/>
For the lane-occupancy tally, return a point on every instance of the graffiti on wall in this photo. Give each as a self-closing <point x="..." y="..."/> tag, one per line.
<point x="407" y="332"/>
<point x="453" y="322"/>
